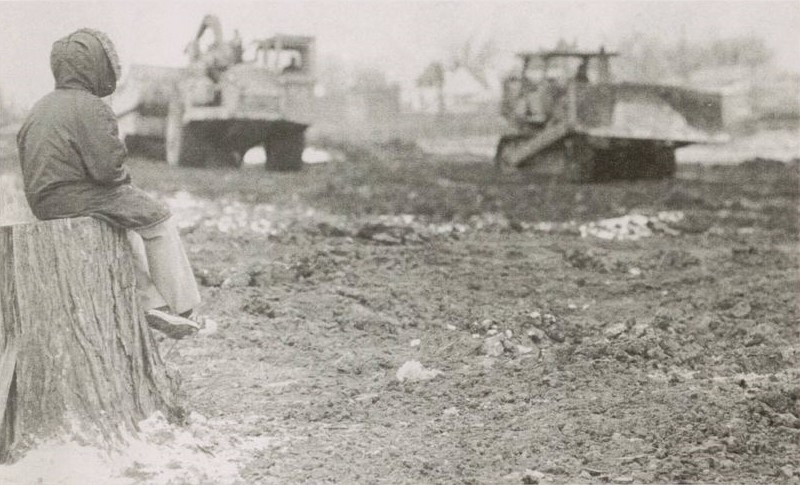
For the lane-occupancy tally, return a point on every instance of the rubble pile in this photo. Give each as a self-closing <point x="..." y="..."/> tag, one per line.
<point x="228" y="216"/>
<point x="633" y="227"/>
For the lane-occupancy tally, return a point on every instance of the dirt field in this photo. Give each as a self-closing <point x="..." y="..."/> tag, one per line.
<point x="671" y="355"/>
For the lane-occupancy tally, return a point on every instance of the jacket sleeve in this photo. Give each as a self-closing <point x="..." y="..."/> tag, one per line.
<point x="102" y="151"/>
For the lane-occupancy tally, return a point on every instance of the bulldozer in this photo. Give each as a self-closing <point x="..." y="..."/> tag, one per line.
<point x="567" y="118"/>
<point x="222" y="104"/>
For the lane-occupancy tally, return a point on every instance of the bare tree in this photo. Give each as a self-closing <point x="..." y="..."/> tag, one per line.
<point x="334" y="74"/>
<point x="650" y="59"/>
<point x="475" y="53"/>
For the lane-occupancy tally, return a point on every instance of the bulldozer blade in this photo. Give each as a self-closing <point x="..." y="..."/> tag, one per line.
<point x="665" y="114"/>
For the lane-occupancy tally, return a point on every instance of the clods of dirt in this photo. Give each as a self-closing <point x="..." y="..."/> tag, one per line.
<point x="413" y="371"/>
<point x="664" y="359"/>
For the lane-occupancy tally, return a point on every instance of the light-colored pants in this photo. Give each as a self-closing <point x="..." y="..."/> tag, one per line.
<point x="163" y="274"/>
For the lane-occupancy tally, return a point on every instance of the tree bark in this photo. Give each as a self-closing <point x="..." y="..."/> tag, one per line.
<point x="77" y="360"/>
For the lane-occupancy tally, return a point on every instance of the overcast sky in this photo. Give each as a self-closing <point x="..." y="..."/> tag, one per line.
<point x="400" y="37"/>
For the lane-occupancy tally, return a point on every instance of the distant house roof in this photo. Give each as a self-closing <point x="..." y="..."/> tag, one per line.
<point x="432" y="76"/>
<point x="435" y="75"/>
<point x="463" y="81"/>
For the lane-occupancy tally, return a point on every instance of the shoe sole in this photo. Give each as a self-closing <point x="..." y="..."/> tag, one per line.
<point x="172" y="326"/>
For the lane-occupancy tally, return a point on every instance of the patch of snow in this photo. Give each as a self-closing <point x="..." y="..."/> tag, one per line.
<point x="783" y="145"/>
<point x="162" y="454"/>
<point x="255" y="156"/>
<point x="413" y="371"/>
<point x="313" y="156"/>
<point x="631" y="227"/>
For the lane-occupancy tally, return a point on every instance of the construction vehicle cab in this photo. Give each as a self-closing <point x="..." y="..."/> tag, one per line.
<point x="230" y="98"/>
<point x="529" y="93"/>
<point x="228" y="103"/>
<point x="567" y="117"/>
<point x="286" y="54"/>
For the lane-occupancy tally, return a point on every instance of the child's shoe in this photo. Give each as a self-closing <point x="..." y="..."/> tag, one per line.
<point x="173" y="326"/>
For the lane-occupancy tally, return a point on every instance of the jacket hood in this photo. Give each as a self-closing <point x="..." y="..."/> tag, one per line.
<point x="85" y="59"/>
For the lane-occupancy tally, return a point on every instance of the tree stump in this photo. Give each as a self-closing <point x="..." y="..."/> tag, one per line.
<point x="77" y="360"/>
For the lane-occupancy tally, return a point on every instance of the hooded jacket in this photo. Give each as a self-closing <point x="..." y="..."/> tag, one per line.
<point x="71" y="157"/>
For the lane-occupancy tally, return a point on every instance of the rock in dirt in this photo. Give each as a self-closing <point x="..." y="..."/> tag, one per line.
<point x="787" y="471"/>
<point x="682" y="198"/>
<point x="536" y="335"/>
<point x="368" y="398"/>
<point x="210" y="327"/>
<point x="741" y="309"/>
<point x="524" y="350"/>
<point x="557" y="227"/>
<point x="632" y="227"/>
<point x="386" y="234"/>
<point x="208" y="278"/>
<point x="639" y="329"/>
<point x="615" y="330"/>
<point x="675" y="258"/>
<point x="710" y="446"/>
<point x="493" y="346"/>
<point x="259" y="305"/>
<point x="483" y="326"/>
<point x="413" y="371"/>
<point x="329" y="230"/>
<point x="237" y="280"/>
<point x="555" y="333"/>
<point x="532" y="477"/>
<point x="362" y="317"/>
<point x="497" y="345"/>
<point x="763" y="332"/>
<point x="788" y="420"/>
<point x="584" y="259"/>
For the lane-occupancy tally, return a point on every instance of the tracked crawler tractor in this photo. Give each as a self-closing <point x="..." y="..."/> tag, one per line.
<point x="212" y="112"/>
<point x="567" y="118"/>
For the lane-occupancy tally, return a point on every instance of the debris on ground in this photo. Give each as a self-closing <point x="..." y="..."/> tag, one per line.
<point x="615" y="330"/>
<point x="210" y="327"/>
<point x="633" y="227"/>
<point x="390" y="235"/>
<point x="594" y="260"/>
<point x="495" y="345"/>
<point x="203" y="451"/>
<point x="413" y="371"/>
<point x="700" y="386"/>
<point x="532" y="477"/>
<point x="741" y="309"/>
<point x="501" y="343"/>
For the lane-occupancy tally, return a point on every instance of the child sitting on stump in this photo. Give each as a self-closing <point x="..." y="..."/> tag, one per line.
<point x="73" y="165"/>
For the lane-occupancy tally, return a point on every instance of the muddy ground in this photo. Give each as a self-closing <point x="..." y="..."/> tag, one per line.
<point x="673" y="357"/>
